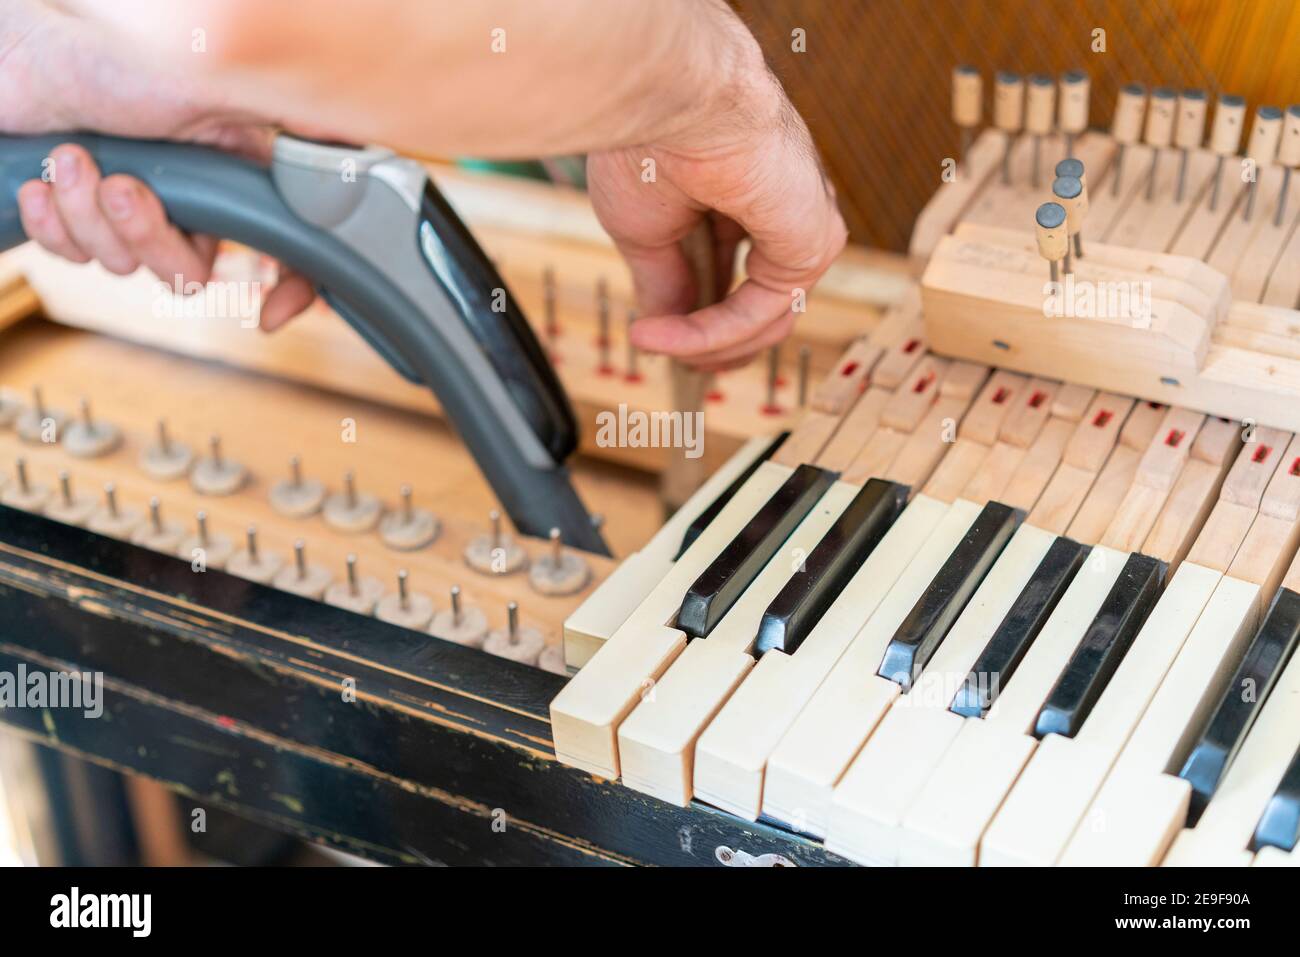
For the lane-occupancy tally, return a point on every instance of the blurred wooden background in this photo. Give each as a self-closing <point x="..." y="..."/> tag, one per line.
<point x="874" y="81"/>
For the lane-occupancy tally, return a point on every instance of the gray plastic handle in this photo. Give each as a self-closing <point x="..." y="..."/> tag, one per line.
<point x="405" y="316"/>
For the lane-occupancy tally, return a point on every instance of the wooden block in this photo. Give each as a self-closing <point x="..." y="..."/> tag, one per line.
<point x="854" y="431"/>
<point x="1281" y="498"/>
<point x="1038" y="466"/>
<point x="1030" y="413"/>
<point x="1218" y="441"/>
<point x="999" y="396"/>
<point x="1254" y="468"/>
<point x="876" y="456"/>
<point x="1224" y="531"/>
<point x="807" y="439"/>
<point x="1105" y="496"/>
<point x="843" y="384"/>
<point x="961" y="463"/>
<point x="1072" y="401"/>
<point x="1265" y="553"/>
<point x="1095" y="435"/>
<point x="900" y="358"/>
<point x="990" y="481"/>
<point x="1185" y="513"/>
<point x="914" y="397"/>
<point x="1141" y="425"/>
<point x="1169" y="449"/>
<point x="963" y="380"/>
<point x="1061" y="499"/>
<point x="928" y="444"/>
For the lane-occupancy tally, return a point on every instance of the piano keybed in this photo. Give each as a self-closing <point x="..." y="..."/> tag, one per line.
<point x="262" y="423"/>
<point x="968" y="616"/>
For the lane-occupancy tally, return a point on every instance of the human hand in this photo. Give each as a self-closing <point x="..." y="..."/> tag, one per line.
<point x="747" y="163"/>
<point x="60" y="75"/>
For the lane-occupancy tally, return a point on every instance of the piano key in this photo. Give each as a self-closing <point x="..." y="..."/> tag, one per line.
<point x="656" y="741"/>
<point x="1237" y="709"/>
<point x="1029" y="413"/>
<point x="708" y="514"/>
<point x="900" y="358"/>
<point x="950" y="814"/>
<point x="1053" y="792"/>
<point x="964" y="380"/>
<point x="586" y="713"/>
<point x="1279" y="825"/>
<point x="1023" y="621"/>
<point x="839" y="554"/>
<point x="958" y="467"/>
<point x="861" y="421"/>
<point x="732" y="754"/>
<point x="1193" y="496"/>
<point x="926" y="447"/>
<point x="847" y="380"/>
<point x="1072" y="401"/>
<point x="615" y="599"/>
<point x="914" y="397"/>
<point x="991" y="407"/>
<point x="721" y="584"/>
<point x="1223" y="834"/>
<point x="1158" y="470"/>
<point x="929" y="621"/>
<point x="1097" y="432"/>
<point x="870" y="800"/>
<point x="1139" y="807"/>
<point x="1038" y="466"/>
<point x="1104" y="643"/>
<point x="815" y="750"/>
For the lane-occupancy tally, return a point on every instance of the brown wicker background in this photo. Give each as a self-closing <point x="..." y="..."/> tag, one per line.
<point x="875" y="80"/>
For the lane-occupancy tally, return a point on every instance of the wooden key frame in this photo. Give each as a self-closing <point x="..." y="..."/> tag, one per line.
<point x="983" y="300"/>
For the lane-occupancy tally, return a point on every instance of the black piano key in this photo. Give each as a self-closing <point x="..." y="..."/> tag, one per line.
<point x="1224" y="732"/>
<point x="1104" y="645"/>
<point x="801" y="603"/>
<point x="936" y="610"/>
<point x="701" y="521"/>
<point x="727" y="577"/>
<point x="1017" y="631"/>
<point x="1279" y="825"/>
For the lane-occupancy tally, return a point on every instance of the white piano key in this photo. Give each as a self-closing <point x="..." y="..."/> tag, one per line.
<point x="1276" y="857"/>
<point x="656" y="741"/>
<point x="950" y="814"/>
<point x="1054" y="791"/>
<point x="869" y="803"/>
<point x="824" y="739"/>
<point x="586" y="713"/>
<point x="1221" y="838"/>
<point x="731" y="755"/>
<point x="1140" y="807"/>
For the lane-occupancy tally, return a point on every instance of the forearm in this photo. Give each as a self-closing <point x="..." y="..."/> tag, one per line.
<point x="493" y="78"/>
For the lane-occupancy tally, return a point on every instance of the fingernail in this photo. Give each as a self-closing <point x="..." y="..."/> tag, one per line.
<point x="120" y="203"/>
<point x="68" y="169"/>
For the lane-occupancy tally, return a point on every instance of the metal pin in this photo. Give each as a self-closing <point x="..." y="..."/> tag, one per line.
<point x="65" y="486"/>
<point x="602" y="313"/>
<point x="202" y="518"/>
<point x="407" y="516"/>
<point x="1069" y="261"/>
<point x="548" y="291"/>
<point x="1214" y="190"/>
<point x="1251" y="190"/>
<point x="300" y="558"/>
<point x="295" y="470"/>
<point x="1151" y="177"/>
<point x="805" y="361"/>
<point x="632" y="374"/>
<point x="403" y="594"/>
<point x="164" y="440"/>
<point x="1038" y="152"/>
<point x="1281" y="199"/>
<point x="110" y="498"/>
<point x="86" y="417"/>
<point x="38" y="402"/>
<point x="512" y="621"/>
<point x="352" y="574"/>
<point x="455" y="605"/>
<point x="251" y="536"/>
<point x="1182" y="176"/>
<point x="1078" y="245"/>
<point x="965" y="141"/>
<point x="1056" y="271"/>
<point x="494" y="517"/>
<point x="773" y="373"/>
<point x="350" y="488"/>
<point x="20" y="466"/>
<point x="557" y="547"/>
<point x="1119" y="170"/>
<point x="155" y="514"/>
